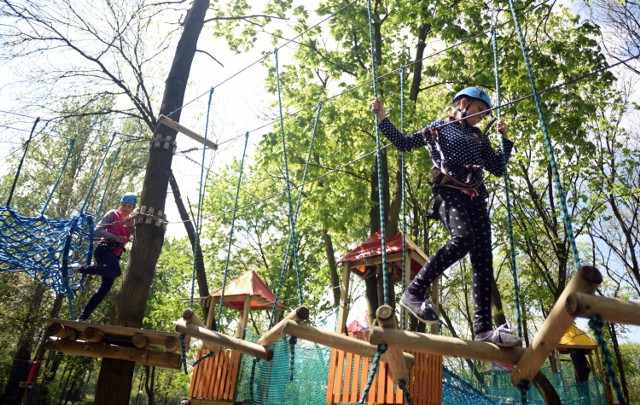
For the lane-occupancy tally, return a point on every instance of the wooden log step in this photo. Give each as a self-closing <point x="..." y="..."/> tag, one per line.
<point x="610" y="309"/>
<point x="300" y="314"/>
<point x="230" y="342"/>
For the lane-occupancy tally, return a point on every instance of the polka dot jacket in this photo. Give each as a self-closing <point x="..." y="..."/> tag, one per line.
<point x="465" y="152"/>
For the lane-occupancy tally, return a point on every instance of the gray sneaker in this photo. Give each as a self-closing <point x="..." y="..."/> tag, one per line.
<point x="420" y="308"/>
<point x="502" y="337"/>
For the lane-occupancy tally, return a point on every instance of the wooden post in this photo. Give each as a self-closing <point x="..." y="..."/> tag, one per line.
<point x="301" y="314"/>
<point x="176" y="126"/>
<point x="445" y="346"/>
<point x="435" y="296"/>
<point x="338" y="341"/>
<point x="210" y="314"/>
<point x="244" y="318"/>
<point x="610" y="309"/>
<point x="586" y="280"/>
<point x="386" y="319"/>
<point x="101" y="350"/>
<point x="215" y="338"/>
<point x="407" y="281"/>
<point x="343" y="311"/>
<point x="190" y="317"/>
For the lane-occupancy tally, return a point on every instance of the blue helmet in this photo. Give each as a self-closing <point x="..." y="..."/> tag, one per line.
<point x="129" y="198"/>
<point x="475" y="93"/>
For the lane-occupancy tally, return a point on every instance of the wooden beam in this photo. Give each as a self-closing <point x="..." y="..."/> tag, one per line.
<point x="610" y="309"/>
<point x="162" y="340"/>
<point x="343" y="310"/>
<point x="445" y="346"/>
<point x="215" y="338"/>
<point x="99" y="350"/>
<point x="387" y="319"/>
<point x="300" y="314"/>
<point x="338" y="341"/>
<point x="586" y="280"/>
<point x="196" y="137"/>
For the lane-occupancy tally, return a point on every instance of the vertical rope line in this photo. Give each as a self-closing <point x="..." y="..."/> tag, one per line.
<point x="382" y="348"/>
<point x="233" y="223"/>
<point x="196" y="239"/>
<point x="298" y="203"/>
<point x="383" y="236"/>
<point x="106" y="187"/>
<point x="514" y="268"/>
<point x="596" y="323"/>
<point x="404" y="202"/>
<point x="95" y="178"/>
<point x="292" y="222"/>
<point x="55" y="186"/>
<point x="547" y="138"/>
<point x="24" y="155"/>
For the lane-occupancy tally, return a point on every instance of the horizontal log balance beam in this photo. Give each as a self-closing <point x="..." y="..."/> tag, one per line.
<point x="612" y="310"/>
<point x="586" y="280"/>
<point x="445" y="346"/>
<point x="215" y="338"/>
<point x="100" y="350"/>
<point x="338" y="341"/>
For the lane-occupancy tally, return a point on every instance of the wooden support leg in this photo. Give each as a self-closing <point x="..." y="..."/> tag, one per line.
<point x="215" y="338"/>
<point x="586" y="280"/>
<point x="274" y="334"/>
<point x="386" y="319"/>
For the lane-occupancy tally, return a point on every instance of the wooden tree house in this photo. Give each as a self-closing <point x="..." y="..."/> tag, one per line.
<point x="348" y="372"/>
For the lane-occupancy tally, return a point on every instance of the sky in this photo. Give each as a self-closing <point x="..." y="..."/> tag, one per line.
<point x="239" y="104"/>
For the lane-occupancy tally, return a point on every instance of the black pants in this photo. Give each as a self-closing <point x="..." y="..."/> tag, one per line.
<point x="108" y="269"/>
<point x="470" y="229"/>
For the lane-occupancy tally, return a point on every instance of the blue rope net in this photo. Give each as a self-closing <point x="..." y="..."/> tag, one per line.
<point x="44" y="247"/>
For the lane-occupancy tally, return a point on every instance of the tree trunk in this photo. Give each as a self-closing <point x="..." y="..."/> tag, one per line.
<point x="333" y="271"/>
<point x="201" y="275"/>
<point x="115" y="379"/>
<point x="618" y="354"/>
<point x="21" y="360"/>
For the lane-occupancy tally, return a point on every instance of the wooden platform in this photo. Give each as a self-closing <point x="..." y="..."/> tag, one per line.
<point x="115" y="342"/>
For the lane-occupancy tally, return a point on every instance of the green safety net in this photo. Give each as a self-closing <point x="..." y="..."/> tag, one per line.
<point x="272" y="384"/>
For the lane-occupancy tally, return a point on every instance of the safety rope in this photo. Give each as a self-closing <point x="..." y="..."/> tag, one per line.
<point x="26" y="149"/>
<point x="106" y="187"/>
<point x="383" y="236"/>
<point x="298" y="203"/>
<point x="514" y="269"/>
<point x="547" y="138"/>
<point x="523" y="386"/>
<point x="55" y="186"/>
<point x="196" y="239"/>
<point x="404" y="202"/>
<point x="95" y="178"/>
<point x="233" y="223"/>
<point x="184" y="353"/>
<point x="596" y="323"/>
<point x="382" y="348"/>
<point x="292" y="223"/>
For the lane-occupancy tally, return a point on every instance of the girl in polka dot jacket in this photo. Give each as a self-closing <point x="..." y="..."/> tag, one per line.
<point x="460" y="153"/>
